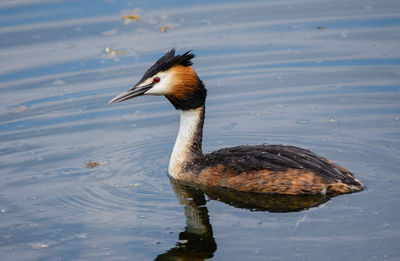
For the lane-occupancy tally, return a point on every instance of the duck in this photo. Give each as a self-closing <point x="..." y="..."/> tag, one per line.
<point x="273" y="169"/>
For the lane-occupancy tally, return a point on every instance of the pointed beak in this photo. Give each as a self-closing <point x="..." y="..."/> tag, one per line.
<point x="133" y="92"/>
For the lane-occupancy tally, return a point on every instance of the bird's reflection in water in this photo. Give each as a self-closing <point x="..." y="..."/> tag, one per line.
<point x="197" y="241"/>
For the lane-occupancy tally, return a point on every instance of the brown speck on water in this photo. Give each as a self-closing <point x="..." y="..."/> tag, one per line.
<point x="93" y="164"/>
<point x="164" y="28"/>
<point x="20" y="109"/>
<point x="110" y="53"/>
<point x="130" y="18"/>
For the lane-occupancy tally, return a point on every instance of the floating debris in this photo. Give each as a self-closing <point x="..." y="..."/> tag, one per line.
<point x="320" y="27"/>
<point x="302" y="121"/>
<point x="135" y="185"/>
<point x="93" y="164"/>
<point x="130" y="18"/>
<point x="20" y="109"/>
<point x="69" y="46"/>
<point x="58" y="82"/>
<point x="165" y="28"/>
<point x="38" y="246"/>
<point x="112" y="53"/>
<point x="81" y="236"/>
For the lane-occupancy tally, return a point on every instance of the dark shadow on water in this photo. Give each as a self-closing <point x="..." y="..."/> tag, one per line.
<point x="197" y="242"/>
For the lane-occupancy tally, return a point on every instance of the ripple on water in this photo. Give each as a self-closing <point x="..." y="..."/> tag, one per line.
<point x="131" y="180"/>
<point x="320" y="75"/>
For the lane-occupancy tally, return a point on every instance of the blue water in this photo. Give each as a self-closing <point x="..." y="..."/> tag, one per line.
<point x="322" y="75"/>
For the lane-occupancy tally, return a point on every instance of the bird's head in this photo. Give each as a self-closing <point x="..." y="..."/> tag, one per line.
<point x="173" y="77"/>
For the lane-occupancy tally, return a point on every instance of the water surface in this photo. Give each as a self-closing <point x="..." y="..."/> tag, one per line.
<point x="322" y="75"/>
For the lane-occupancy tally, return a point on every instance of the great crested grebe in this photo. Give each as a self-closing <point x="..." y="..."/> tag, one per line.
<point x="248" y="168"/>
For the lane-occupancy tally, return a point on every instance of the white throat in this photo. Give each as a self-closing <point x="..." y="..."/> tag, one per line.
<point x="188" y="143"/>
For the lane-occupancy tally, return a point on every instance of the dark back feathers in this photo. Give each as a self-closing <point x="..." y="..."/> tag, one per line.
<point x="275" y="158"/>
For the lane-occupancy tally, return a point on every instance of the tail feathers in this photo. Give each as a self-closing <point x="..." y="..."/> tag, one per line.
<point x="342" y="188"/>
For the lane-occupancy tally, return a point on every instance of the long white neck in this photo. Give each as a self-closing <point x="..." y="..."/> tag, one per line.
<point x="188" y="143"/>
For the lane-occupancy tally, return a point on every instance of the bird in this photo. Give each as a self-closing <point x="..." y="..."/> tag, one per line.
<point x="273" y="169"/>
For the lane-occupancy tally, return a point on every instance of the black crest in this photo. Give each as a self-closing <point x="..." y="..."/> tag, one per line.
<point x="167" y="61"/>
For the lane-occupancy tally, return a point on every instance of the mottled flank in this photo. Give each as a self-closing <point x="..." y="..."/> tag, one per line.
<point x="292" y="181"/>
<point x="273" y="169"/>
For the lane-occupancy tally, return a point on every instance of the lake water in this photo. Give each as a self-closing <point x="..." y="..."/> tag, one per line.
<point x="322" y="75"/>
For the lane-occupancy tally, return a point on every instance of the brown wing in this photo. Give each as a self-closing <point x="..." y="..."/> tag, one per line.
<point x="277" y="158"/>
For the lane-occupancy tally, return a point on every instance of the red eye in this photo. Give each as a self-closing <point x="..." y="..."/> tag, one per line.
<point x="156" y="80"/>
